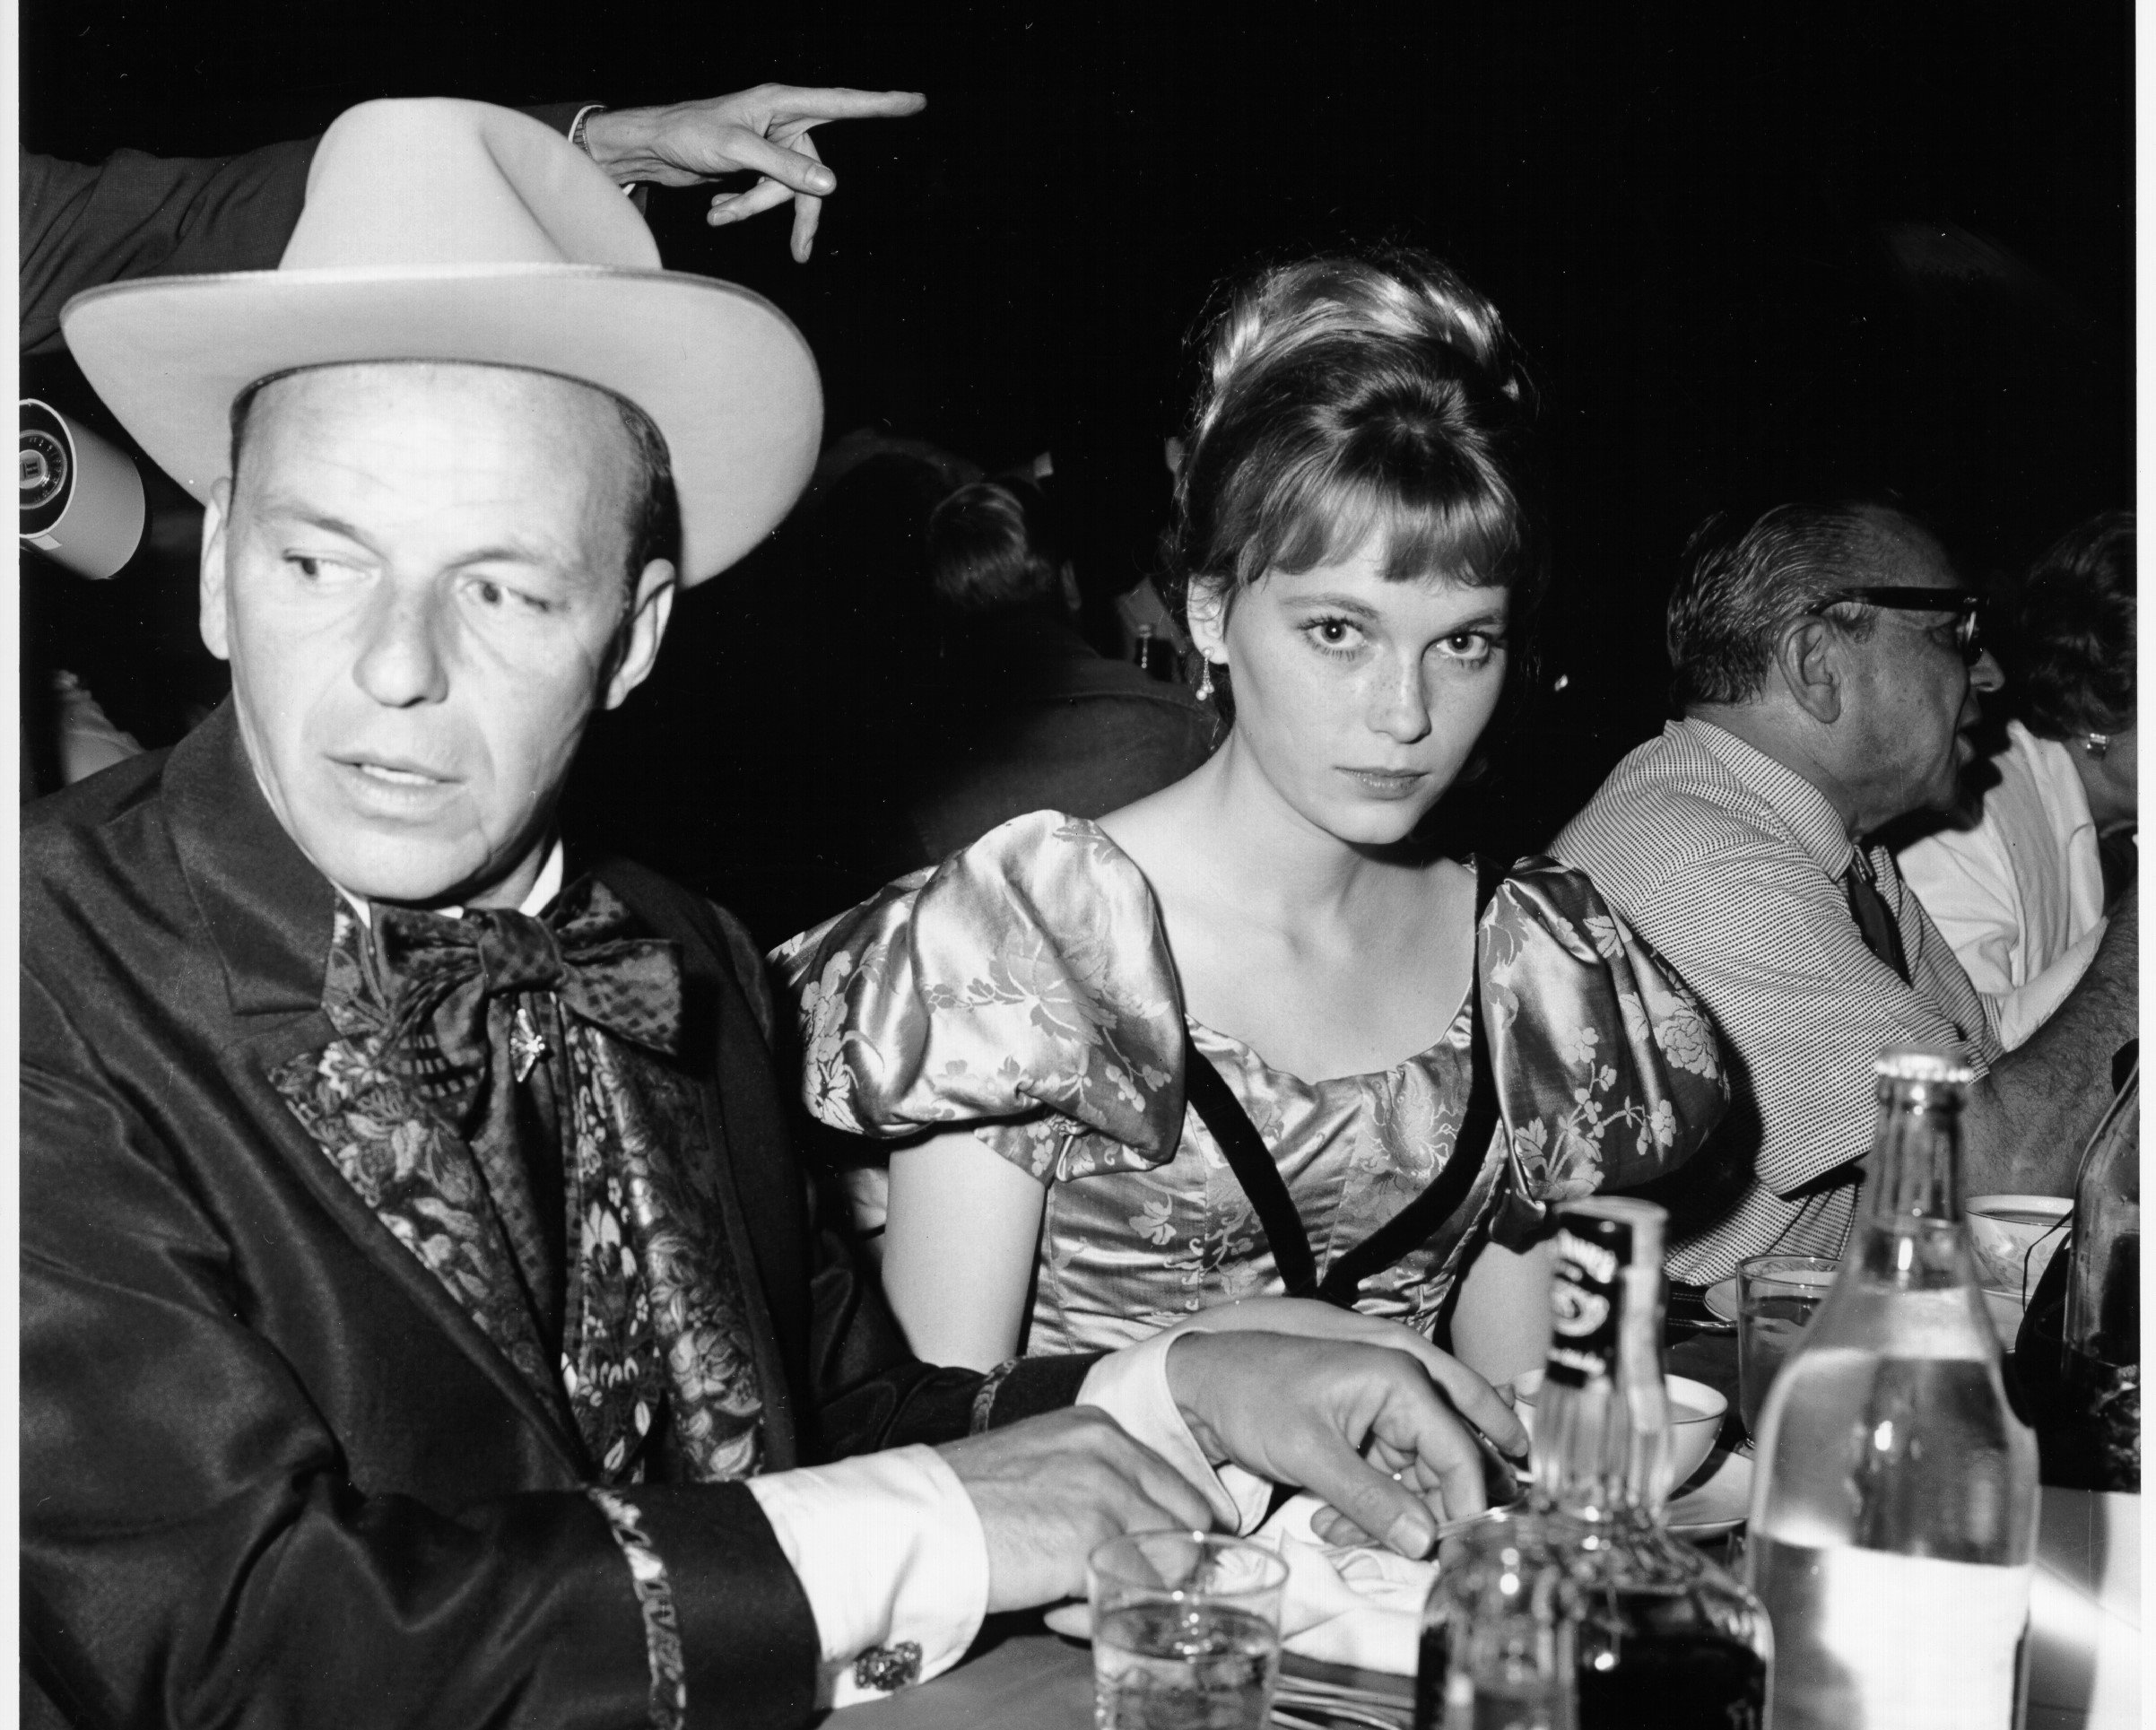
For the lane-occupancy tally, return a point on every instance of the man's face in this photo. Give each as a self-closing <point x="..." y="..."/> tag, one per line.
<point x="1911" y="700"/>
<point x="418" y="580"/>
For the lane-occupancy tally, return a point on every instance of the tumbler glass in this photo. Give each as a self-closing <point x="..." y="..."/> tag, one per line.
<point x="1776" y="1296"/>
<point x="1186" y="1632"/>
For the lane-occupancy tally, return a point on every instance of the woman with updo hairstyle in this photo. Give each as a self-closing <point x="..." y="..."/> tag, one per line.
<point x="1269" y="1032"/>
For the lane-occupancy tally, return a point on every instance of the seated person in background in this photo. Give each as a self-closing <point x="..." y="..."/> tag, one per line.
<point x="1265" y="1031"/>
<point x="2018" y="892"/>
<point x="1033" y="717"/>
<point x="422" y="1315"/>
<point x="1826" y="661"/>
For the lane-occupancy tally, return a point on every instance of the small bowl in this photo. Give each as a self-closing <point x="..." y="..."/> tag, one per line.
<point x="2011" y="1233"/>
<point x="1695" y="1418"/>
<point x="2006" y="1311"/>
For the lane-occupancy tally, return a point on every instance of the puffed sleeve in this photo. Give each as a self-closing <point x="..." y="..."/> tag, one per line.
<point x="1022" y="986"/>
<point x="1607" y="1069"/>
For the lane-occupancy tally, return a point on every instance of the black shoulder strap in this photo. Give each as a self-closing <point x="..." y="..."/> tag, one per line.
<point x="1249" y="1158"/>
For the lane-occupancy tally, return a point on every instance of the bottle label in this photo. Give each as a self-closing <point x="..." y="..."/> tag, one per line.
<point x="1871" y="1638"/>
<point x="1585" y="1297"/>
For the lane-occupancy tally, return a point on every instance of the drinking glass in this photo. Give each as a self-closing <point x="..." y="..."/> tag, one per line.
<point x="1776" y="1296"/>
<point x="1186" y="1632"/>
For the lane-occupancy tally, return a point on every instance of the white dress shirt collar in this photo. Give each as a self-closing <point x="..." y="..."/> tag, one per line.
<point x="547" y="885"/>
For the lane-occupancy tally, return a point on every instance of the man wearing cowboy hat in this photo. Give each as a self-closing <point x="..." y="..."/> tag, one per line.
<point x="422" y="1318"/>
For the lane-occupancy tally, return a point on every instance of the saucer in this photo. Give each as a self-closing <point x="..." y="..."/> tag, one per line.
<point x="1717" y="1499"/>
<point x="1721" y="1299"/>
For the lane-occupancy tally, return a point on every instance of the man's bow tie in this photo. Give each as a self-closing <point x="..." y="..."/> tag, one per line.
<point x="438" y="977"/>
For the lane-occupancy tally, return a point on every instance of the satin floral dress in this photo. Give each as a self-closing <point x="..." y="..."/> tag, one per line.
<point x="1023" y="987"/>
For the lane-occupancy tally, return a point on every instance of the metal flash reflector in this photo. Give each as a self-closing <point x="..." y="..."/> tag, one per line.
<point x="83" y="501"/>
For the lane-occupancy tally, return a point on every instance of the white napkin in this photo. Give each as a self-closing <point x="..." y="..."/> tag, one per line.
<point x="1347" y="1604"/>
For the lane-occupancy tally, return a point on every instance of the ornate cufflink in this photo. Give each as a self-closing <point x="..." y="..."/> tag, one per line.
<point x="888" y="1668"/>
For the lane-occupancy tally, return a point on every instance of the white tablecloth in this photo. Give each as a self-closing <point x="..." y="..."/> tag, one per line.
<point x="2085" y="1613"/>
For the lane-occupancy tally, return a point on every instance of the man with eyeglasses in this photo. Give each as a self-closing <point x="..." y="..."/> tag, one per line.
<point x="1829" y="670"/>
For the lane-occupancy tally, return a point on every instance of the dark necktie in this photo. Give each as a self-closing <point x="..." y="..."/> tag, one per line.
<point x="475" y="1005"/>
<point x="1874" y="920"/>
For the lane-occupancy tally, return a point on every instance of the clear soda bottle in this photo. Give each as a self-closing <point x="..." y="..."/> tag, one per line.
<point x="1893" y="1512"/>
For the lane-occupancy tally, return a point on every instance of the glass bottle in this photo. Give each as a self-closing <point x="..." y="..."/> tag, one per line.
<point x="2083" y="1373"/>
<point x="1658" y="1634"/>
<point x="1893" y="1512"/>
<point x="1497" y="1636"/>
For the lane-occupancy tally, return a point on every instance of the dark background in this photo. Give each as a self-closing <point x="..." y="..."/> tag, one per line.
<point x="1749" y="253"/>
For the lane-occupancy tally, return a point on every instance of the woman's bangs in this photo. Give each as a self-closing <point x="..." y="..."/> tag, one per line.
<point x="1471" y="538"/>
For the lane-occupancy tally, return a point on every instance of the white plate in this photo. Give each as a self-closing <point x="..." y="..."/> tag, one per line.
<point x="1718" y="1498"/>
<point x="1721" y="1299"/>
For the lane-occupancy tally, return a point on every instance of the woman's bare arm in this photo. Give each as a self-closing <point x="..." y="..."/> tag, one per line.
<point x="1501" y="1325"/>
<point x="957" y="1249"/>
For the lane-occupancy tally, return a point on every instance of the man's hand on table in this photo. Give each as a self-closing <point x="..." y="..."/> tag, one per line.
<point x="1337" y="1407"/>
<point x="763" y="130"/>
<point x="1050" y="1488"/>
<point x="1364" y="1426"/>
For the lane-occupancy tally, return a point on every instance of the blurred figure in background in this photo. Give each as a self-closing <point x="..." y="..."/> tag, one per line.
<point x="772" y="767"/>
<point x="2018" y="886"/>
<point x="1034" y="717"/>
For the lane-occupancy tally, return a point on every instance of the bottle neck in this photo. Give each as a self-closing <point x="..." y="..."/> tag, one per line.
<point x="1915" y="1173"/>
<point x="1912" y="1233"/>
<point x="1601" y="1423"/>
<point x="2103" y="1275"/>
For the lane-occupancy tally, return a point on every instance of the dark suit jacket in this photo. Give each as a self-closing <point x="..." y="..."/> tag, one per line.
<point x="139" y="215"/>
<point x="271" y="1473"/>
<point x="1034" y="718"/>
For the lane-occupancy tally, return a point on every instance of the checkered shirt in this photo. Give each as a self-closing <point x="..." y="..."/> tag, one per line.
<point x="1732" y="866"/>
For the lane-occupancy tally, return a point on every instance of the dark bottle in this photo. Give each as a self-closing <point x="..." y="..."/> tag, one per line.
<point x="1496" y="1634"/>
<point x="1654" y="1633"/>
<point x="2078" y="1359"/>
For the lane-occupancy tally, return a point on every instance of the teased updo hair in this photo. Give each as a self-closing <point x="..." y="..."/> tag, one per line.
<point x="1352" y="397"/>
<point x="2065" y="634"/>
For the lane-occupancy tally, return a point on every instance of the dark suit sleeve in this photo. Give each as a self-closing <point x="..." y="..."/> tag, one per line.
<point x="138" y="215"/>
<point x="141" y="215"/>
<point x="194" y="1549"/>
<point x="867" y="1389"/>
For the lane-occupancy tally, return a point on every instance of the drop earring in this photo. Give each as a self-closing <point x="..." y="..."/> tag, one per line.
<point x="1205" y="690"/>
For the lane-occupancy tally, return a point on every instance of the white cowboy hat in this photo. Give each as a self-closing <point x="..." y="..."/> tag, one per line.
<point x="438" y="229"/>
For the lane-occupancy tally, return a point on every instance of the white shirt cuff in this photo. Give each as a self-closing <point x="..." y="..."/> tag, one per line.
<point x="2027" y="1007"/>
<point x="1131" y="1386"/>
<point x="888" y="1548"/>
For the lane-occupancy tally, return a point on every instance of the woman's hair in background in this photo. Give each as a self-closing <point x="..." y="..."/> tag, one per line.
<point x="2064" y="633"/>
<point x="992" y="547"/>
<point x="1354" y="400"/>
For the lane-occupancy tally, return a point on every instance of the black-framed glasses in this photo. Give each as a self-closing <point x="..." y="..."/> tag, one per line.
<point x="1966" y="605"/>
